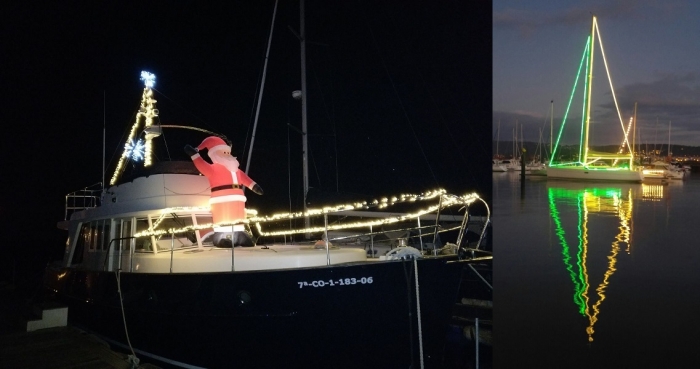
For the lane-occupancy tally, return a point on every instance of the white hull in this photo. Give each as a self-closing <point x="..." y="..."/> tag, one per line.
<point x="212" y="259"/>
<point x="603" y="174"/>
<point x="499" y="168"/>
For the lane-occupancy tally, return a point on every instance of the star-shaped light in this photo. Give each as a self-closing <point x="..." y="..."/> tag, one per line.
<point x="148" y="78"/>
<point x="135" y="150"/>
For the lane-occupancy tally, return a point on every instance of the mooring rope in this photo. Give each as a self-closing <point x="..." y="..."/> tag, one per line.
<point x="133" y="359"/>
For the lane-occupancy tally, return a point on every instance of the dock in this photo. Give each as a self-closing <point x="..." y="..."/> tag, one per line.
<point x="37" y="336"/>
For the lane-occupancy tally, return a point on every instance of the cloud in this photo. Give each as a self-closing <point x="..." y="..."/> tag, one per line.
<point x="669" y="98"/>
<point x="527" y="22"/>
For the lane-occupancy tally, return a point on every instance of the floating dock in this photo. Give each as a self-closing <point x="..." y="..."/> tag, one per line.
<point x="37" y="336"/>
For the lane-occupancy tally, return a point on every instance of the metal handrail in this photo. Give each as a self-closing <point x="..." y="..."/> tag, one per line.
<point x="82" y="199"/>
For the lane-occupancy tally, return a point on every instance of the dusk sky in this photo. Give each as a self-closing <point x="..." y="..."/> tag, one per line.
<point x="652" y="49"/>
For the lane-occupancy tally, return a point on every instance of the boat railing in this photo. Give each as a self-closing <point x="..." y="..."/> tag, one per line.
<point x="418" y="227"/>
<point x="88" y="197"/>
<point x="421" y="227"/>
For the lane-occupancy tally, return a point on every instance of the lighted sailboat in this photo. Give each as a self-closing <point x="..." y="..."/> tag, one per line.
<point x="590" y="165"/>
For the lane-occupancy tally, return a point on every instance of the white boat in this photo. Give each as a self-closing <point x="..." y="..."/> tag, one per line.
<point x="511" y="164"/>
<point x="675" y="171"/>
<point x="591" y="165"/>
<point x="653" y="171"/>
<point x="536" y="168"/>
<point x="149" y="268"/>
<point x="498" y="166"/>
<point x="671" y="171"/>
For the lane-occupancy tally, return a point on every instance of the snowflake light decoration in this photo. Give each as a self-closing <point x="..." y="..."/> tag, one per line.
<point x="135" y="150"/>
<point x="149" y="79"/>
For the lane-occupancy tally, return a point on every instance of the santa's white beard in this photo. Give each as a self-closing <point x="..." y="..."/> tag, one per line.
<point x="226" y="160"/>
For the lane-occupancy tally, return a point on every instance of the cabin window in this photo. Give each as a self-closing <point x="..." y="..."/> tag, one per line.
<point x="99" y="235"/>
<point x="117" y="234"/>
<point x="142" y="243"/>
<point x="165" y="241"/>
<point x="94" y="236"/>
<point x="122" y="230"/>
<point x="83" y="239"/>
<point x="106" y="235"/>
<point x="183" y="239"/>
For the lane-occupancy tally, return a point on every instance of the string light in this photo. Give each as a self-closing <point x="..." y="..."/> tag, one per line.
<point x="147" y="112"/>
<point x="446" y="201"/>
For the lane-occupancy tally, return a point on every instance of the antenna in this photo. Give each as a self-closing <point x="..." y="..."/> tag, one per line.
<point x="305" y="144"/>
<point x="104" y="129"/>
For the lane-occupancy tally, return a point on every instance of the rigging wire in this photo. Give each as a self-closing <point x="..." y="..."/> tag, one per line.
<point x="612" y="90"/>
<point x="403" y="108"/>
<point x="185" y="110"/>
<point x="450" y="135"/>
<point x="331" y="120"/>
<point x="262" y="86"/>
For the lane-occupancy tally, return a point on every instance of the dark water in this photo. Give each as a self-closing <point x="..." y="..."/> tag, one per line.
<point x="596" y="275"/>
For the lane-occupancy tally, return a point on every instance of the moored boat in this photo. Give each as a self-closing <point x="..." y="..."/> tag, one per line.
<point x="149" y="268"/>
<point x="590" y="165"/>
<point x="498" y="166"/>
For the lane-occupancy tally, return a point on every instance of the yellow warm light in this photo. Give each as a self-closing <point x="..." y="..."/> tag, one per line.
<point x="160" y="232"/>
<point x="447" y="201"/>
<point x="147" y="112"/>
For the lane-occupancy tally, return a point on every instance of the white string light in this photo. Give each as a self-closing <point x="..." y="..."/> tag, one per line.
<point x="447" y="201"/>
<point x="147" y="112"/>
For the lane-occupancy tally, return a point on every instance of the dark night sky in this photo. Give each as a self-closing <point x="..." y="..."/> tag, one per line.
<point x="399" y="94"/>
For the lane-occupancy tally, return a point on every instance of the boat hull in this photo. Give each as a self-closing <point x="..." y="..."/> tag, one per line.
<point x="354" y="315"/>
<point x="591" y="174"/>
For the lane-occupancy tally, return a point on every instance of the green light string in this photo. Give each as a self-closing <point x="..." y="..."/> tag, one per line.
<point x="571" y="98"/>
<point x="561" y="235"/>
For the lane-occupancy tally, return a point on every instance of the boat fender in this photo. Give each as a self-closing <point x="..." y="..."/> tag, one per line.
<point x="403" y="253"/>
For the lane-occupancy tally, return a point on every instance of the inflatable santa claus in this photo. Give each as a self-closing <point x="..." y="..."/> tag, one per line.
<point x="227" y="200"/>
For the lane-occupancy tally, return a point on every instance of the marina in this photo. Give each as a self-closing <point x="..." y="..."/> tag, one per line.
<point x="348" y="244"/>
<point x="30" y="339"/>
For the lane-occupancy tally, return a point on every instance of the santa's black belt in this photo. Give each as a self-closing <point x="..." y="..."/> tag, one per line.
<point x="227" y="187"/>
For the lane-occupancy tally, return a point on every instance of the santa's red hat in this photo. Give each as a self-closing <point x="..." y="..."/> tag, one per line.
<point x="214" y="143"/>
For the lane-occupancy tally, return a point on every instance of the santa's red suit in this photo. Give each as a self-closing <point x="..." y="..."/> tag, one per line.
<point x="227" y="201"/>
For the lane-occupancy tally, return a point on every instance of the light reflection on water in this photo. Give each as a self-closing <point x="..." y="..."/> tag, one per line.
<point x="589" y="203"/>
<point x="595" y="275"/>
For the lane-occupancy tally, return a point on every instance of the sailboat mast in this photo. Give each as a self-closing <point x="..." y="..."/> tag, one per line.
<point x="498" y="136"/>
<point x="583" y="153"/>
<point x="669" y="140"/>
<point x="551" y="127"/>
<point x="634" y="136"/>
<point x="305" y="144"/>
